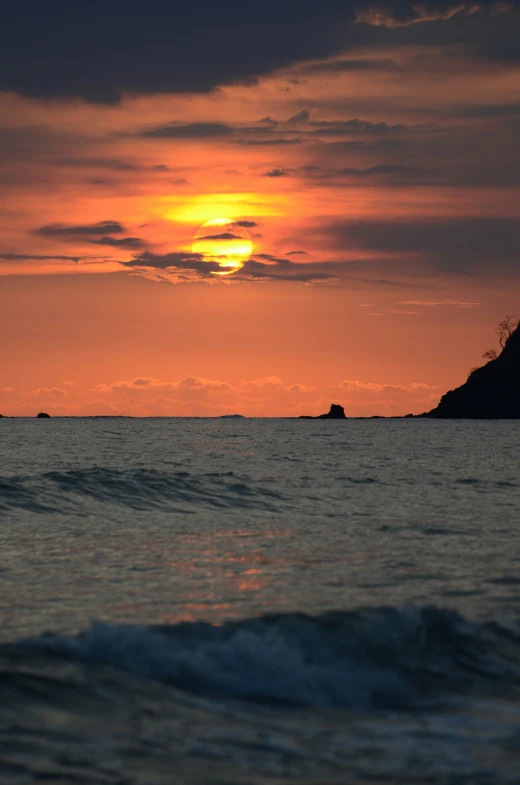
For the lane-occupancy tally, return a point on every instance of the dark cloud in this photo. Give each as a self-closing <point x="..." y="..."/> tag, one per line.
<point x="269" y="121"/>
<point x="381" y="169"/>
<point x="470" y="246"/>
<point x="263" y="267"/>
<point x="100" y="51"/>
<point x="270" y="258"/>
<point x="490" y="34"/>
<point x="331" y="273"/>
<point x="114" y="164"/>
<point x="186" y="267"/>
<point x="189" y="131"/>
<point x="300" y="117"/>
<point x="29" y="143"/>
<point x="95" y="234"/>
<point x="246" y="224"/>
<point x="394" y="16"/>
<point x="84" y="230"/>
<point x="343" y="66"/>
<point x="284" y="270"/>
<point x="370" y="144"/>
<point x="355" y="126"/>
<point x="470" y="154"/>
<point x="278" y="173"/>
<point x="297" y="253"/>
<point x="492" y="110"/>
<point x="104" y="182"/>
<point x="20" y="257"/>
<point x="223" y="236"/>
<point x="269" y="142"/>
<point x="252" y="135"/>
<point x="177" y="260"/>
<point x="126" y="243"/>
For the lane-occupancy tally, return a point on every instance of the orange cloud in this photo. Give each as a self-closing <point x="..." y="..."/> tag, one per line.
<point x="147" y="384"/>
<point x="47" y="392"/>
<point x="413" y="387"/>
<point x="422" y="13"/>
<point x="393" y="193"/>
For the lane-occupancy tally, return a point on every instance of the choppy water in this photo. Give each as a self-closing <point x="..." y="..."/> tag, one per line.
<point x="258" y="601"/>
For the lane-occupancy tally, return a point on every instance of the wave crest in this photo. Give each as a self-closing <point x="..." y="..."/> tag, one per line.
<point x="371" y="659"/>
<point x="140" y="489"/>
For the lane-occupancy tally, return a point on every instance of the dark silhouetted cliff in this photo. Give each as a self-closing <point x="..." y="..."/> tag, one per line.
<point x="492" y="391"/>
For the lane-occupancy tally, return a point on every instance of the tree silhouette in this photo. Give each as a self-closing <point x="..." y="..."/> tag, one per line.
<point x="506" y="328"/>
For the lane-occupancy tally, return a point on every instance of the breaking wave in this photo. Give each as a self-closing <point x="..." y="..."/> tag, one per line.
<point x="413" y="695"/>
<point x="367" y="660"/>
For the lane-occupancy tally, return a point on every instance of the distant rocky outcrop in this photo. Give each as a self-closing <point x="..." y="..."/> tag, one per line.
<point x="1" y="415"/>
<point x="491" y="392"/>
<point x="336" y="412"/>
<point x="42" y="415"/>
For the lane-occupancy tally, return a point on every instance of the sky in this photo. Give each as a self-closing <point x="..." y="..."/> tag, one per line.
<point x="359" y="168"/>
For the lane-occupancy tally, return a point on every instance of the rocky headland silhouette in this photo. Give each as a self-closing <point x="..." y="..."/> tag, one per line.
<point x="491" y="392"/>
<point x="336" y="412"/>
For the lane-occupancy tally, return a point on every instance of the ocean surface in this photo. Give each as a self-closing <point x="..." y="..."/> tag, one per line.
<point x="259" y="601"/>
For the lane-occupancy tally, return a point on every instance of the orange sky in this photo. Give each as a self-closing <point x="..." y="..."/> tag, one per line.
<point x="380" y="188"/>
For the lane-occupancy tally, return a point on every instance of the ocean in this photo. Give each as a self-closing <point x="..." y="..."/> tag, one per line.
<point x="259" y="601"/>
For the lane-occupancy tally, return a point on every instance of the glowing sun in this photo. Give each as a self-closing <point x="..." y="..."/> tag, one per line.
<point x="225" y="242"/>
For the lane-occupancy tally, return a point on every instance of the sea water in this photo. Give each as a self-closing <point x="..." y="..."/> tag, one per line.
<point x="259" y="601"/>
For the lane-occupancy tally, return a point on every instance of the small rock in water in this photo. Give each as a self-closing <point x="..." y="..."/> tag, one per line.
<point x="43" y="415"/>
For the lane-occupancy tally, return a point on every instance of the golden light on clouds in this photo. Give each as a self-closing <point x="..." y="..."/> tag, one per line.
<point x="373" y="184"/>
<point x="199" y="208"/>
<point x="225" y="242"/>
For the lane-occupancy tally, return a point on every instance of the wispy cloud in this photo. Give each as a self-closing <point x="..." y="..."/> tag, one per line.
<point x="47" y="392"/>
<point x="64" y="231"/>
<point x="436" y="303"/>
<point x="145" y="384"/>
<point x="188" y="131"/>
<point x="376" y="387"/>
<point x="421" y="13"/>
<point x="20" y="257"/>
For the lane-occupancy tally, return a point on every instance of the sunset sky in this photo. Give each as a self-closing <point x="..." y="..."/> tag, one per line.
<point x="367" y="154"/>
